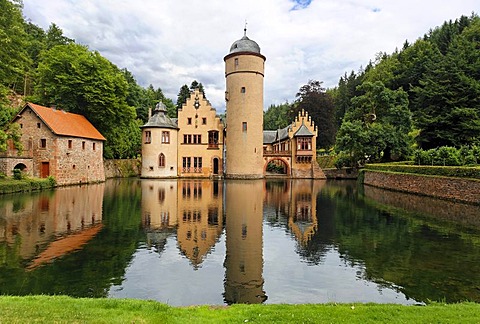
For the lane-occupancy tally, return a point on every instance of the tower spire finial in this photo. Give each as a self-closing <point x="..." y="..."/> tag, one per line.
<point x="245" y="29"/>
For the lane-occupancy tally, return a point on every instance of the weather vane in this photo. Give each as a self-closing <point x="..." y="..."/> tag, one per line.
<point x="245" y="29"/>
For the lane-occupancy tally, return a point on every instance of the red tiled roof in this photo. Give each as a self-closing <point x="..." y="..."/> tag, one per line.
<point x="66" y="124"/>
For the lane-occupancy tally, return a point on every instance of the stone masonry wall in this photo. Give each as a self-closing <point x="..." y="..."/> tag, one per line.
<point x="456" y="189"/>
<point x="122" y="168"/>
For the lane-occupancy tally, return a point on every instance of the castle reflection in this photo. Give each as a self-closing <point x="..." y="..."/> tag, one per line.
<point x="43" y="226"/>
<point x="198" y="211"/>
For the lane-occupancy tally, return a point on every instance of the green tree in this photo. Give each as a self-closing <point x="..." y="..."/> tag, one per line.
<point x="54" y="37"/>
<point x="378" y="126"/>
<point x="448" y="96"/>
<point x="183" y="95"/>
<point x="14" y="59"/>
<point x="277" y="117"/>
<point x="83" y="82"/>
<point x="319" y="104"/>
<point x="196" y="85"/>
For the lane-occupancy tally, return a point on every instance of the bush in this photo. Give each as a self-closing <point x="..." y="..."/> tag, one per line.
<point x="448" y="171"/>
<point x="343" y="161"/>
<point x="447" y="156"/>
<point x="18" y="174"/>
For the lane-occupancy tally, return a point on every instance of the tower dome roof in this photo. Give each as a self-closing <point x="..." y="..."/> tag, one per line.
<point x="159" y="119"/>
<point x="245" y="44"/>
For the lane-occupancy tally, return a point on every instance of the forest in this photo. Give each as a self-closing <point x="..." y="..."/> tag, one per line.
<point x="410" y="104"/>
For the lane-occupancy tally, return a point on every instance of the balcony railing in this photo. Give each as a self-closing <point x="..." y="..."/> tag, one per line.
<point x="277" y="153"/>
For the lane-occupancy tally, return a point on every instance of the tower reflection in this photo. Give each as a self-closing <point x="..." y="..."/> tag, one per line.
<point x="244" y="241"/>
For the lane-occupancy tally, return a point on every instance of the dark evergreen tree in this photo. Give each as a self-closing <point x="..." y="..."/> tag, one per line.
<point x="183" y="95"/>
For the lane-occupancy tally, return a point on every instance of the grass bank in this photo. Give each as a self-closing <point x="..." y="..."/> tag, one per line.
<point x="9" y="185"/>
<point x="61" y="309"/>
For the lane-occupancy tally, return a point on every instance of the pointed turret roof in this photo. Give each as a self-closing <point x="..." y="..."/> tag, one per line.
<point x="159" y="119"/>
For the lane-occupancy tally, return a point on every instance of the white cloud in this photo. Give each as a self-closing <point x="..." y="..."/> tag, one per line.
<point x="169" y="43"/>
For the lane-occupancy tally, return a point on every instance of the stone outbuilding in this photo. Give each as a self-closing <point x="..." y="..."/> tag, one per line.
<point x="56" y="143"/>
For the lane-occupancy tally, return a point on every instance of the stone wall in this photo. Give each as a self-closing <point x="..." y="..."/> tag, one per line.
<point x="122" y="168"/>
<point x="344" y="173"/>
<point x="438" y="209"/>
<point x="455" y="189"/>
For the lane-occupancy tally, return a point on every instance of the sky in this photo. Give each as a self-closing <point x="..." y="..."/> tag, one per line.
<point x="169" y="43"/>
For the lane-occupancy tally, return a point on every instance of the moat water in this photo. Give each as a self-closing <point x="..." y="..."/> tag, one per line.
<point x="191" y="242"/>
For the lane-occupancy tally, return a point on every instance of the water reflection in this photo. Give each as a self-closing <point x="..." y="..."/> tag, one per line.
<point x="244" y="257"/>
<point x="191" y="209"/>
<point x="44" y="226"/>
<point x="193" y="241"/>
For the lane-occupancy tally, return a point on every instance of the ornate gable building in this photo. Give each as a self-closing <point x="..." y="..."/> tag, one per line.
<point x="56" y="143"/>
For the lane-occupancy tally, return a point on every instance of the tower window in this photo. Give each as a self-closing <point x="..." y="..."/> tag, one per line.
<point x="70" y="144"/>
<point x="83" y="145"/>
<point x="161" y="160"/>
<point x="148" y="137"/>
<point x="43" y="143"/>
<point x="236" y="62"/>
<point x="93" y="146"/>
<point x="204" y="120"/>
<point x="166" y="137"/>
<point x="189" y="120"/>
<point x="243" y="90"/>
<point x="244" y="126"/>
<point x="39" y="125"/>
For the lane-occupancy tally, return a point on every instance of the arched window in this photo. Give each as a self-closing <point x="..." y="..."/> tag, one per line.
<point x="161" y="160"/>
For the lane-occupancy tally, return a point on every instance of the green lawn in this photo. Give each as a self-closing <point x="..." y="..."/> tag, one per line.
<point x="60" y="309"/>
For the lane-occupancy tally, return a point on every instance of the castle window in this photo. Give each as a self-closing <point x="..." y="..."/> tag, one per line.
<point x="304" y="144"/>
<point x="83" y="145"/>
<point x="197" y="139"/>
<point x="204" y="120"/>
<point x="186" y="164"/>
<point x="21" y="125"/>
<point x="39" y="125"/>
<point x="243" y="90"/>
<point x="43" y="143"/>
<point x="244" y="126"/>
<point x="148" y="137"/>
<point x="197" y="164"/>
<point x="93" y="146"/>
<point x="187" y="139"/>
<point x="161" y="160"/>
<point x="236" y="62"/>
<point x="165" y="137"/>
<point x="70" y="144"/>
<point x="189" y="120"/>
<point x="213" y="139"/>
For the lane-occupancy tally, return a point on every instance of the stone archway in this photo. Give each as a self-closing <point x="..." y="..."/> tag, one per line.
<point x="277" y="166"/>
<point x="20" y="166"/>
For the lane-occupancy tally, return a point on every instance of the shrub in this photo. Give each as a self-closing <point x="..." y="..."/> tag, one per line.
<point x="18" y="174"/>
<point x="447" y="156"/>
<point x="447" y="171"/>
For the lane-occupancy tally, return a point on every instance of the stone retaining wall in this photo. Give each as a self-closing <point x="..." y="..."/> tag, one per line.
<point x="456" y="189"/>
<point x="122" y="168"/>
<point x="441" y="209"/>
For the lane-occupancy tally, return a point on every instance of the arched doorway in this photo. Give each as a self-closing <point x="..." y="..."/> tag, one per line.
<point x="276" y="167"/>
<point x="21" y="167"/>
<point x="215" y="166"/>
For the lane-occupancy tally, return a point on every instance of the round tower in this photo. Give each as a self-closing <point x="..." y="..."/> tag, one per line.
<point x="159" y="145"/>
<point x="244" y="71"/>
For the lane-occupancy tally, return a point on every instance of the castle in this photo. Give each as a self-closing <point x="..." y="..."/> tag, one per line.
<point x="199" y="144"/>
